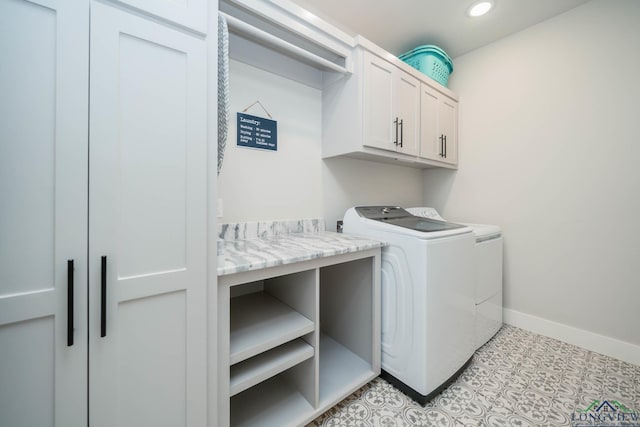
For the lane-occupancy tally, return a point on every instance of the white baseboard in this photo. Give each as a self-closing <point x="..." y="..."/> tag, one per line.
<point x="579" y="337"/>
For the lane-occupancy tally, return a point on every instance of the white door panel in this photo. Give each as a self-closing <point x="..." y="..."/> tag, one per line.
<point x="430" y="144"/>
<point x="28" y="146"/>
<point x="152" y="149"/>
<point x="27" y="371"/>
<point x="439" y="126"/>
<point x="43" y="220"/>
<point x="449" y="125"/>
<point x="188" y="13"/>
<point x="379" y="130"/>
<point x="408" y="110"/>
<point x="148" y="217"/>
<point x="152" y="379"/>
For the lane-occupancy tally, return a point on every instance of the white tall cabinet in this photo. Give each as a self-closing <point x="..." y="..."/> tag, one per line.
<point x="103" y="161"/>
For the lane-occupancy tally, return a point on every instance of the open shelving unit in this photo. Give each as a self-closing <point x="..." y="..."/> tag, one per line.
<point x="296" y="339"/>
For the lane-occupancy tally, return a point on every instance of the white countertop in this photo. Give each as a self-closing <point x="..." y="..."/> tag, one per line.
<point x="257" y="253"/>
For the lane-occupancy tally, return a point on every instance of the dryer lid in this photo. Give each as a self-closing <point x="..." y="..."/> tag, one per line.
<point x="399" y="217"/>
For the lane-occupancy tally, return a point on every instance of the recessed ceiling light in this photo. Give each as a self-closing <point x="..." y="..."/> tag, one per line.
<point x="480" y="8"/>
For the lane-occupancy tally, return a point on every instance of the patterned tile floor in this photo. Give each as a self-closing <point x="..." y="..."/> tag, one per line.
<point x="517" y="379"/>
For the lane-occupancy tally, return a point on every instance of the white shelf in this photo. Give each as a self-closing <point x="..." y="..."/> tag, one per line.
<point x="272" y="403"/>
<point x="260" y="322"/>
<point x="341" y="371"/>
<point x="268" y="364"/>
<point x="279" y="45"/>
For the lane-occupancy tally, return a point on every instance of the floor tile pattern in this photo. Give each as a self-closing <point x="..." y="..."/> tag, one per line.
<point x="517" y="379"/>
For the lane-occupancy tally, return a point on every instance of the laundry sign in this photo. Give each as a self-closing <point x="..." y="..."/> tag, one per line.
<point x="257" y="132"/>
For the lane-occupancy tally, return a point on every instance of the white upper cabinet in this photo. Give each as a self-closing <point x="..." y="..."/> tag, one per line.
<point x="391" y="106"/>
<point x="191" y="14"/>
<point x="43" y="219"/>
<point x="148" y="225"/>
<point x="439" y="126"/>
<point x="389" y="112"/>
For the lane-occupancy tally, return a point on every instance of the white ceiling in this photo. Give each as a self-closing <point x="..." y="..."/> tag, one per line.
<point x="400" y="25"/>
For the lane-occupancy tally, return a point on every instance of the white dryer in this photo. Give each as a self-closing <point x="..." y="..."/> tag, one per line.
<point x="428" y="302"/>
<point x="488" y="266"/>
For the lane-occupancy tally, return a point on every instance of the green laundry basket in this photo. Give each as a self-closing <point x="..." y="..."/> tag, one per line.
<point x="430" y="60"/>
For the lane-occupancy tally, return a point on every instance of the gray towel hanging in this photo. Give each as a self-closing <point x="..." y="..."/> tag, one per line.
<point x="223" y="87"/>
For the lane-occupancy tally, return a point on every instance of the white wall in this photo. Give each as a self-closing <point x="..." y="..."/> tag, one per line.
<point x="295" y="182"/>
<point x="550" y="151"/>
<point x="261" y="184"/>
<point x="350" y="182"/>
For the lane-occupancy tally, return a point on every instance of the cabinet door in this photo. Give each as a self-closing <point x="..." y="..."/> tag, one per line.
<point x="407" y="93"/>
<point x="431" y="145"/>
<point x="148" y="218"/>
<point x="379" y="128"/>
<point x="438" y="126"/>
<point x="448" y="117"/>
<point x="43" y="218"/>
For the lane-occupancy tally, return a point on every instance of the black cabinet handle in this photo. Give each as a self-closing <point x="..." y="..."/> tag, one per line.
<point x="441" y="138"/>
<point x="103" y="298"/>
<point x="69" y="303"/>
<point x="401" y="132"/>
<point x="395" y="122"/>
<point x="445" y="146"/>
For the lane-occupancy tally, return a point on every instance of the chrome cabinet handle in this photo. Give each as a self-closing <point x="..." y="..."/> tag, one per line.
<point x="395" y="122"/>
<point x="445" y="146"/>
<point x="401" y="132"/>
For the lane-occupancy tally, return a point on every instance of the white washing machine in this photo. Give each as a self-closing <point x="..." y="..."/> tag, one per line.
<point x="488" y="266"/>
<point x="428" y="302"/>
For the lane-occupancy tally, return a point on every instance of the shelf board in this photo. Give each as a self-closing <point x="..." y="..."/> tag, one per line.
<point x="260" y="322"/>
<point x="272" y="403"/>
<point x="341" y="371"/>
<point x="268" y="364"/>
